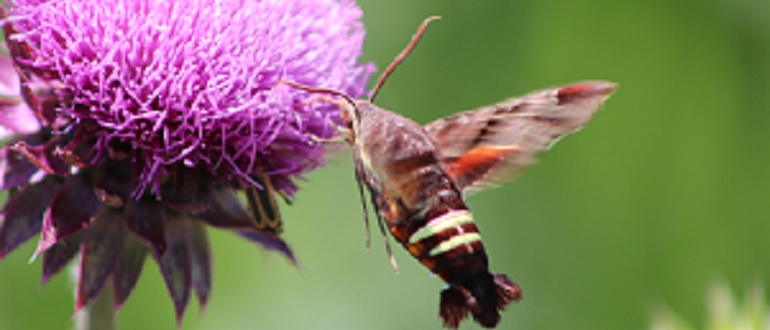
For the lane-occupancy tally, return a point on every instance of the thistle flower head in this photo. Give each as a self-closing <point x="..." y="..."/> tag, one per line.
<point x="150" y="114"/>
<point x="193" y="83"/>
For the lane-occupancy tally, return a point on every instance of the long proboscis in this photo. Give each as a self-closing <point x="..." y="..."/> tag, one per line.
<point x="321" y="90"/>
<point x="401" y="56"/>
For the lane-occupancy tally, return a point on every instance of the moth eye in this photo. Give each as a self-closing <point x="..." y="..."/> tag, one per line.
<point x="346" y="119"/>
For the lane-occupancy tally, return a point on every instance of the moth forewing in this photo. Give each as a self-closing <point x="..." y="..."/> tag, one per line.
<point x="483" y="147"/>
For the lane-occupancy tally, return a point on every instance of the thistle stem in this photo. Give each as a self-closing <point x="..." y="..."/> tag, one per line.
<point x="99" y="313"/>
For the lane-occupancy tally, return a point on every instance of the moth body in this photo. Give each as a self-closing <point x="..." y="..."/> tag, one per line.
<point x="424" y="211"/>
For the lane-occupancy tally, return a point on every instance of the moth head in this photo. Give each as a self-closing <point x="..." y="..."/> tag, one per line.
<point x="350" y="113"/>
<point x="353" y="113"/>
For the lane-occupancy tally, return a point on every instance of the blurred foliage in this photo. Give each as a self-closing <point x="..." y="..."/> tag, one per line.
<point x="667" y="189"/>
<point x="724" y="312"/>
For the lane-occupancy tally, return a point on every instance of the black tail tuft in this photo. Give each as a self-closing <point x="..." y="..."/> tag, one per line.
<point x="507" y="290"/>
<point x="483" y="296"/>
<point x="454" y="306"/>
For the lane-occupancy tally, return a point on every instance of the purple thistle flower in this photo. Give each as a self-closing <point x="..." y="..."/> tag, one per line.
<point x="135" y="123"/>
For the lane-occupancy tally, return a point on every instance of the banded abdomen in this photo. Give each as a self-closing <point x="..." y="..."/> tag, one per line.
<point x="442" y="235"/>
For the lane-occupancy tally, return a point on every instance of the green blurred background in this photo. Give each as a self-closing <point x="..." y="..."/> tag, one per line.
<point x="665" y="192"/>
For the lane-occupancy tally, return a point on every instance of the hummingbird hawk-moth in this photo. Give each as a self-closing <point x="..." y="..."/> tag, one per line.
<point x="417" y="175"/>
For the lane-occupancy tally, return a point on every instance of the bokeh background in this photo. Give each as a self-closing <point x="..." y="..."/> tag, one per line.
<point x="664" y="193"/>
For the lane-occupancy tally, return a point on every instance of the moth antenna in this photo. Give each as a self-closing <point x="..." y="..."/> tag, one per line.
<point x="401" y="56"/>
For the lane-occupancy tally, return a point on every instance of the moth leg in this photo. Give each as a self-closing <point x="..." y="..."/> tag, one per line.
<point x="359" y="175"/>
<point x="381" y="204"/>
<point x="385" y="237"/>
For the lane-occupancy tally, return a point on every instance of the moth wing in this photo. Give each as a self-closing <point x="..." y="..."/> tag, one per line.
<point x="483" y="147"/>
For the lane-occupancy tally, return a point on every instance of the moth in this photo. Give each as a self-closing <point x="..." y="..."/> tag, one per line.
<point x="417" y="176"/>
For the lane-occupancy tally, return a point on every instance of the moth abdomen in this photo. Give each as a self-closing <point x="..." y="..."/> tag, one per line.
<point x="482" y="295"/>
<point x="449" y="244"/>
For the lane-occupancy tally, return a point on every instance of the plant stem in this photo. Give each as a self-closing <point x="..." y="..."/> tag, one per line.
<point x="99" y="313"/>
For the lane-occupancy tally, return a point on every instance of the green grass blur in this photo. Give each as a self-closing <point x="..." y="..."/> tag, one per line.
<point x="666" y="191"/>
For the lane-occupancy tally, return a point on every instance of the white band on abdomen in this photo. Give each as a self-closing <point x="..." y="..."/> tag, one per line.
<point x="448" y="220"/>
<point x="459" y="240"/>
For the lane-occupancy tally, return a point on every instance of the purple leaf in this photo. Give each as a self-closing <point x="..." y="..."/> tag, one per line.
<point x="270" y="242"/>
<point x="73" y="208"/>
<point x="128" y="269"/>
<point x="45" y="156"/>
<point x="22" y="215"/>
<point x="15" y="168"/>
<point x="59" y="255"/>
<point x="200" y="253"/>
<point x="146" y="218"/>
<point x="79" y="151"/>
<point x="224" y="209"/>
<point x="102" y="246"/>
<point x="176" y="263"/>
